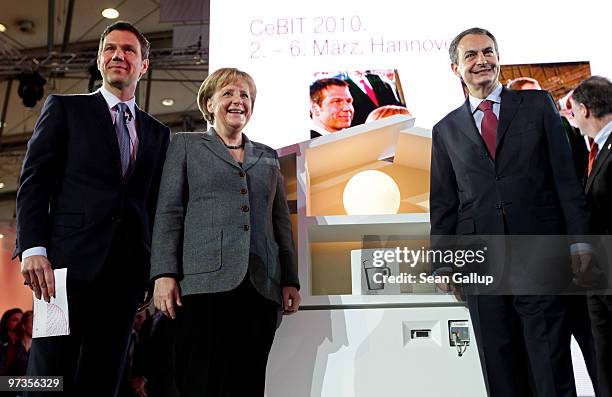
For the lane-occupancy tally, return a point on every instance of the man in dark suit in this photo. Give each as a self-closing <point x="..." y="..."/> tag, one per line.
<point x="577" y="143"/>
<point x="86" y="201"/>
<point x="369" y="92"/>
<point x="592" y="108"/>
<point x="577" y="308"/>
<point x="501" y="165"/>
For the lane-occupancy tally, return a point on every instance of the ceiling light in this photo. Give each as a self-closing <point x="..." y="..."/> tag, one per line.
<point x="1" y="236"/>
<point x="167" y="101"/>
<point x="110" y="13"/>
<point x="2" y="28"/>
<point x="1" y="185"/>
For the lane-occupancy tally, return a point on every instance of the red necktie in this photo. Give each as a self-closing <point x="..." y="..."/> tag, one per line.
<point x="369" y="91"/>
<point x="488" y="127"/>
<point x="592" y="156"/>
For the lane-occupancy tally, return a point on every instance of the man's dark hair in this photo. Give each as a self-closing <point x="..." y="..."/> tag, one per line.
<point x="318" y="86"/>
<point x="128" y="27"/>
<point x="596" y="94"/>
<point x="452" y="49"/>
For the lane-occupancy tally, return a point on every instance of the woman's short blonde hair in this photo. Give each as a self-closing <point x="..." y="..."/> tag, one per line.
<point x="220" y="78"/>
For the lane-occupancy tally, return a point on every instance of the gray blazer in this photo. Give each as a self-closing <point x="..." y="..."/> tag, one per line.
<point x="215" y="220"/>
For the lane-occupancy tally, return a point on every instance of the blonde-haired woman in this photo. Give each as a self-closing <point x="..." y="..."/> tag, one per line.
<point x="223" y="258"/>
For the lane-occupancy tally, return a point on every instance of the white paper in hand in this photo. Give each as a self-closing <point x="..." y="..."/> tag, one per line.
<point x="51" y="319"/>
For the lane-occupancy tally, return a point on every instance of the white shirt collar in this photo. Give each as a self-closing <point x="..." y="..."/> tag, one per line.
<point x="320" y="130"/>
<point x="602" y="136"/>
<point x="112" y="100"/>
<point x="494" y="96"/>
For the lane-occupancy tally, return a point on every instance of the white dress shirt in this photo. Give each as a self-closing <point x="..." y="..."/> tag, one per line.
<point x="494" y="96"/>
<point x="319" y="129"/>
<point x="602" y="136"/>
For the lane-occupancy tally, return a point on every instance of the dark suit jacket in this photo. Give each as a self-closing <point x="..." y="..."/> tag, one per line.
<point x="599" y="191"/>
<point x="580" y="151"/>
<point x="71" y="197"/>
<point x="363" y="104"/>
<point x="531" y="184"/>
<point x="216" y="220"/>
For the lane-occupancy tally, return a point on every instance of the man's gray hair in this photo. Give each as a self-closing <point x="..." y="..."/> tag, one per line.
<point x="452" y="49"/>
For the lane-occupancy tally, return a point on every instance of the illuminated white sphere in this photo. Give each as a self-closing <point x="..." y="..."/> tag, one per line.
<point x="371" y="192"/>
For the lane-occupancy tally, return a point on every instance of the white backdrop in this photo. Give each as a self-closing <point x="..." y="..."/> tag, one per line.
<point x="281" y="43"/>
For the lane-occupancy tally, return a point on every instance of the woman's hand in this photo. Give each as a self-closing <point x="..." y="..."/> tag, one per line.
<point x="165" y="294"/>
<point x="291" y="300"/>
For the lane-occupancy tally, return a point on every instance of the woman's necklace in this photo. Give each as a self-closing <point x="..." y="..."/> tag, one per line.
<point x="239" y="146"/>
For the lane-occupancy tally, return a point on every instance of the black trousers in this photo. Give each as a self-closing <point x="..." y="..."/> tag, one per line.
<point x="223" y="341"/>
<point x="523" y="341"/>
<point x="600" y="310"/>
<point x="101" y="314"/>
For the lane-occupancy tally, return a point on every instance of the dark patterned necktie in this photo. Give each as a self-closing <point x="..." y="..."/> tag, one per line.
<point x="488" y="127"/>
<point x="123" y="136"/>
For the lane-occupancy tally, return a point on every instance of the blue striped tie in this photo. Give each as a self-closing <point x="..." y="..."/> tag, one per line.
<point x="123" y="136"/>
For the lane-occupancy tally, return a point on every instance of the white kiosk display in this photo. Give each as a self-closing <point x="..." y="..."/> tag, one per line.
<point x="354" y="336"/>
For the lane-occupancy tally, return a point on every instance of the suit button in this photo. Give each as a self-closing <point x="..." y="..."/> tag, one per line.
<point x="243" y="191"/>
<point x="245" y="208"/>
<point x="246" y="228"/>
<point x="498" y="177"/>
<point x="498" y="206"/>
<point x="242" y="174"/>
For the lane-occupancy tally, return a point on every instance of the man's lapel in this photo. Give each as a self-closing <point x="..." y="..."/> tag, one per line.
<point x="107" y="129"/>
<point x="468" y="126"/>
<point x="143" y="125"/>
<point x="510" y="103"/>
<point x="357" y="93"/>
<point x="601" y="159"/>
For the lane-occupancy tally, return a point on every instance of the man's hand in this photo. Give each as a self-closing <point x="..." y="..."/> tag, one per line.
<point x="38" y="275"/>
<point x="450" y="286"/>
<point x="582" y="266"/>
<point x="291" y="300"/>
<point x="165" y="294"/>
<point x="139" y="386"/>
<point x="581" y="261"/>
<point x="445" y="287"/>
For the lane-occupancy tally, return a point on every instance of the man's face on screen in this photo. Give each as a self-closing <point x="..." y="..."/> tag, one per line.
<point x="336" y="110"/>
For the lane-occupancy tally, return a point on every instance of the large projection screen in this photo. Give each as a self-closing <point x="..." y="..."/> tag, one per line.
<point x="282" y="44"/>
